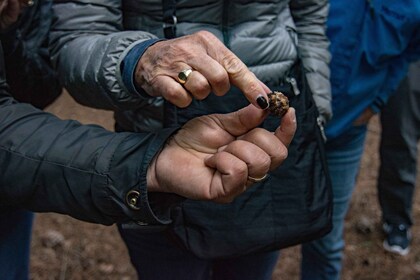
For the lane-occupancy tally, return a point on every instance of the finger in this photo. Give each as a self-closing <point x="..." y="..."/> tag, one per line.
<point x="10" y="13"/>
<point x="287" y="128"/>
<point x="3" y="4"/>
<point x="270" y="144"/>
<point x="246" y="81"/>
<point x="197" y="85"/>
<point x="241" y="121"/>
<point x="230" y="177"/>
<point x="172" y="91"/>
<point x="214" y="73"/>
<point x="256" y="159"/>
<point x="238" y="72"/>
<point x="265" y="87"/>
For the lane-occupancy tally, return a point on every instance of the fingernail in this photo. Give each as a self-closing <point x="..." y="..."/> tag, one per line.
<point x="262" y="102"/>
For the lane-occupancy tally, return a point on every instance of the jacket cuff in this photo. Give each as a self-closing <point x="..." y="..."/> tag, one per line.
<point x="129" y="63"/>
<point x="129" y="166"/>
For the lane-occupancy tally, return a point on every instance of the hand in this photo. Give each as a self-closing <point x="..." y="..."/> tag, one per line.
<point x="214" y="67"/>
<point x="364" y="117"/>
<point x="9" y="11"/>
<point x="211" y="157"/>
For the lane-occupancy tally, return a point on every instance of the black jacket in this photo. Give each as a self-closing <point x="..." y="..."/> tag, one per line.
<point x="28" y="67"/>
<point x="51" y="165"/>
<point x="47" y="164"/>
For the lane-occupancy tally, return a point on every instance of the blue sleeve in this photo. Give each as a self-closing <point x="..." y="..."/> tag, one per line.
<point x="128" y="66"/>
<point x="396" y="73"/>
<point x="398" y="70"/>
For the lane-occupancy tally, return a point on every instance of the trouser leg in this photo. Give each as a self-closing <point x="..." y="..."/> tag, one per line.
<point x="15" y="240"/>
<point x="154" y="256"/>
<point x="398" y="150"/>
<point x="321" y="259"/>
<point x="250" y="267"/>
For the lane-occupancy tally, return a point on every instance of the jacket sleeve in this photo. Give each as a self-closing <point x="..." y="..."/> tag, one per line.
<point x="28" y="65"/>
<point x="398" y="68"/>
<point x="88" y="46"/>
<point x="310" y="17"/>
<point x="85" y="171"/>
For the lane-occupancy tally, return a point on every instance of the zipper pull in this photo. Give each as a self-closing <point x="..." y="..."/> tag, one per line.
<point x="321" y="128"/>
<point x="293" y="83"/>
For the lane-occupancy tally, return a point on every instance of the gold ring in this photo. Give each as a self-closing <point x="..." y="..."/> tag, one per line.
<point x="183" y="76"/>
<point x="256" y="180"/>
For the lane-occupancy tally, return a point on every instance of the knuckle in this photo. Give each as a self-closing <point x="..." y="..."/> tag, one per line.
<point x="241" y="170"/>
<point x="177" y="98"/>
<point x="280" y="156"/>
<point x="220" y="80"/>
<point x="204" y="35"/>
<point x="171" y="94"/>
<point x="261" y="160"/>
<point x="232" y="64"/>
<point x="266" y="162"/>
<point x="202" y="91"/>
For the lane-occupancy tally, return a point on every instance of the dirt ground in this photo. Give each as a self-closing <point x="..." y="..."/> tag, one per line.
<point x="64" y="248"/>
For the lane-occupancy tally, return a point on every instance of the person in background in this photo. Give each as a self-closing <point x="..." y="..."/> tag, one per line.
<point x="98" y="176"/>
<point x="372" y="45"/>
<point x="400" y="120"/>
<point x="114" y="55"/>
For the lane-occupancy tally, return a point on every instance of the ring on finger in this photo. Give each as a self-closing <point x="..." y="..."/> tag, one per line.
<point x="183" y="75"/>
<point x="256" y="180"/>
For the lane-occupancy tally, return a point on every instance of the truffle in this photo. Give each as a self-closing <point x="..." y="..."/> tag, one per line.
<point x="278" y="103"/>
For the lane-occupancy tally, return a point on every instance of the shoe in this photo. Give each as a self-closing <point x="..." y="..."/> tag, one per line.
<point x="397" y="238"/>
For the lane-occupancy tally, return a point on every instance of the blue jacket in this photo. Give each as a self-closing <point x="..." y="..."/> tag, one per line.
<point x="372" y="44"/>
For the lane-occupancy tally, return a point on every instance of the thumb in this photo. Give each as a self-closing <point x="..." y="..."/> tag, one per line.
<point x="241" y="121"/>
<point x="287" y="128"/>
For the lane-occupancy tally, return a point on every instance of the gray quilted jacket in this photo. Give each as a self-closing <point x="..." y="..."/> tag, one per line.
<point x="90" y="39"/>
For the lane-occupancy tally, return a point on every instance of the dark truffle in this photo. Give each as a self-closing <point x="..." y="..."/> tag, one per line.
<point x="279" y="103"/>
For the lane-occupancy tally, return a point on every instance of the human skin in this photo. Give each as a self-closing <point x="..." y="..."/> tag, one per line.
<point x="215" y="69"/>
<point x="364" y="118"/>
<point x="210" y="157"/>
<point x="216" y="154"/>
<point x="227" y="148"/>
<point x="9" y="11"/>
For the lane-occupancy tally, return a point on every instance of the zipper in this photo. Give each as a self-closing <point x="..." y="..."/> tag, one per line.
<point x="321" y="128"/>
<point x="293" y="83"/>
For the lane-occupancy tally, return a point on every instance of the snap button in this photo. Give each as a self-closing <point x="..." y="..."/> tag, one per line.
<point x="132" y="199"/>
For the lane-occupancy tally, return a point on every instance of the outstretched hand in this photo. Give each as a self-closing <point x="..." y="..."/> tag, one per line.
<point x="213" y="69"/>
<point x="211" y="157"/>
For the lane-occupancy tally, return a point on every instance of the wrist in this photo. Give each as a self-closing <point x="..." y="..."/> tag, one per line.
<point x="144" y="68"/>
<point x="151" y="178"/>
<point x="130" y="64"/>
